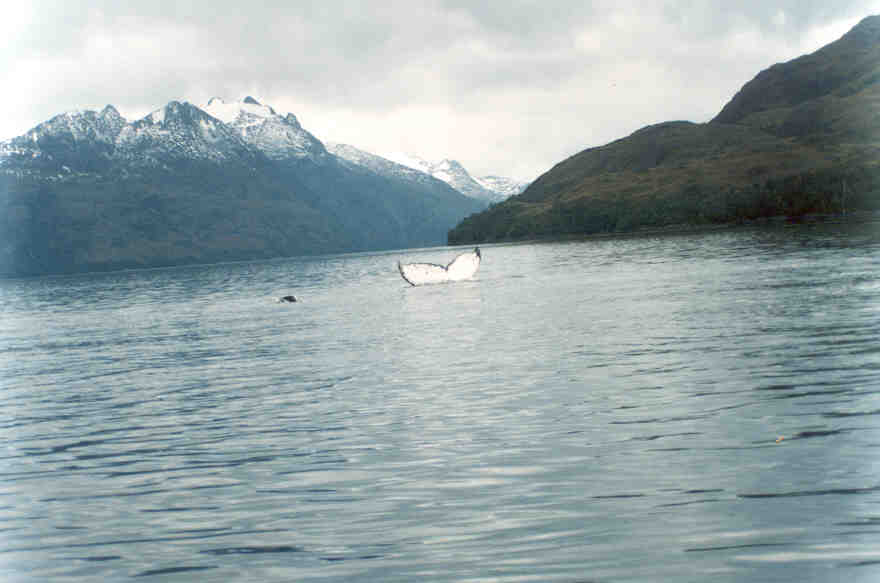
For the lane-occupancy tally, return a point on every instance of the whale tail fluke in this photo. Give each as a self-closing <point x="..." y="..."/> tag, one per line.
<point x="464" y="266"/>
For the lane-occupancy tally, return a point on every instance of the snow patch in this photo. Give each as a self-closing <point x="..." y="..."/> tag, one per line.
<point x="230" y="112"/>
<point x="409" y="160"/>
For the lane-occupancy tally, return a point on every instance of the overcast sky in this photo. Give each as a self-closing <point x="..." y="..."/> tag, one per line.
<point x="506" y="88"/>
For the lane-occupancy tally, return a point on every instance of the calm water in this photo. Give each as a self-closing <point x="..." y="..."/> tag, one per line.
<point x="606" y="410"/>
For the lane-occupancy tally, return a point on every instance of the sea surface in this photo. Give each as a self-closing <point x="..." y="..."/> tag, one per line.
<point x="676" y="408"/>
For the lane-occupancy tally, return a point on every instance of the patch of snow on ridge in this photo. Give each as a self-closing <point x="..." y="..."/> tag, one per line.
<point x="225" y="112"/>
<point x="502" y="185"/>
<point x="230" y="112"/>
<point x="409" y="160"/>
<point x="378" y="164"/>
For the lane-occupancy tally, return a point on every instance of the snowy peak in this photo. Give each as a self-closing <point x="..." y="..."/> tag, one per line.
<point x="501" y="184"/>
<point x="218" y="132"/>
<point x="259" y="125"/>
<point x="82" y="140"/>
<point x="79" y="126"/>
<point x="110" y="120"/>
<point x="177" y="132"/>
<point x="177" y="119"/>
<point x="453" y="173"/>
<point x="410" y="160"/>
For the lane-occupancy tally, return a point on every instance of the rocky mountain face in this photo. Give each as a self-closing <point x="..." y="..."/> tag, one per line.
<point x="800" y="138"/>
<point x="230" y="181"/>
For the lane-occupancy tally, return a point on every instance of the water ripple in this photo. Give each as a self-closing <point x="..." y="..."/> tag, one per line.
<point x="653" y="408"/>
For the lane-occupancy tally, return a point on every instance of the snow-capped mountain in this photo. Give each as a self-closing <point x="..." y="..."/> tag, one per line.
<point x="278" y="137"/>
<point x="239" y="132"/>
<point x="231" y="181"/>
<point x="380" y="165"/>
<point x="77" y="126"/>
<point x="506" y="187"/>
<point x="85" y="139"/>
<point x="180" y="131"/>
<point x="489" y="189"/>
<point x="217" y="132"/>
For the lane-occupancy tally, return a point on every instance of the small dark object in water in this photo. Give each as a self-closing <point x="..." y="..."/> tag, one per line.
<point x="288" y="299"/>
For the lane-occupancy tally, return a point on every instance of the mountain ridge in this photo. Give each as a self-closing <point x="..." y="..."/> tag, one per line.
<point x="808" y="76"/>
<point x="779" y="147"/>
<point x="92" y="191"/>
<point x="491" y="189"/>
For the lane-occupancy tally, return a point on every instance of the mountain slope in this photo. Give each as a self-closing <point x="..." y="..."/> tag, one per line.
<point x="91" y="191"/>
<point x="805" y="140"/>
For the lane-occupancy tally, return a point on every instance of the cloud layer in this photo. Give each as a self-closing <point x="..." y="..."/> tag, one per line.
<point x="505" y="87"/>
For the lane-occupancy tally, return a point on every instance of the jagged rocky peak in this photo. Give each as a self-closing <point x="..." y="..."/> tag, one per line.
<point x="78" y="125"/>
<point x="177" y="132"/>
<point x="111" y="120"/>
<point x="250" y="100"/>
<point x="173" y="112"/>
<point x="110" y="112"/>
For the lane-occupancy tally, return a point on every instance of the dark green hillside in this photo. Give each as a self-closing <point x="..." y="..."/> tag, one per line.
<point x="92" y="222"/>
<point x="806" y="139"/>
<point x="842" y="68"/>
<point x="204" y="214"/>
